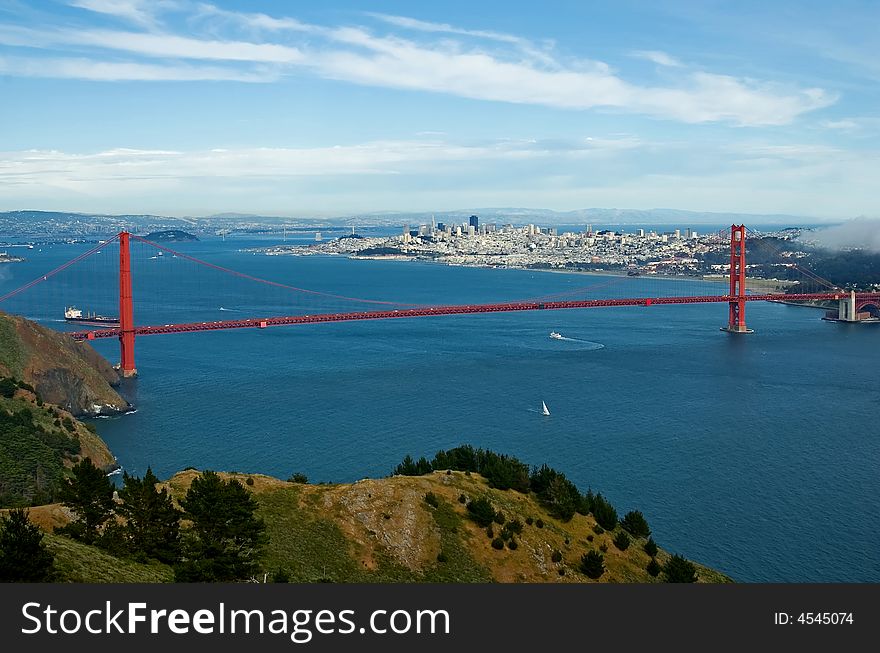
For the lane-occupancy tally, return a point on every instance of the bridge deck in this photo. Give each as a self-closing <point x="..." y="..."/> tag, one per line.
<point x="257" y="323"/>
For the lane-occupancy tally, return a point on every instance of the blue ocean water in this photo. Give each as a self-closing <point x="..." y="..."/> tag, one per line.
<point x="756" y="455"/>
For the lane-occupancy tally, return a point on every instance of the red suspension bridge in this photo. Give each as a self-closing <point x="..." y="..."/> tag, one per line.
<point x="736" y="297"/>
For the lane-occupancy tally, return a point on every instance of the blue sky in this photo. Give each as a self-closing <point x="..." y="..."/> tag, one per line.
<point x="185" y="107"/>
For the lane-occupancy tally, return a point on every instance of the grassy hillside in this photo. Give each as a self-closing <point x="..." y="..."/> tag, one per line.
<point x="79" y="563"/>
<point x="382" y="530"/>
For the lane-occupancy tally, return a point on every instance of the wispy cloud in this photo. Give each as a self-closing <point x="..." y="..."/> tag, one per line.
<point x="110" y="71"/>
<point x="41" y="167"/>
<point x="513" y="70"/>
<point x="658" y="57"/>
<point x="139" y="12"/>
<point x="840" y="125"/>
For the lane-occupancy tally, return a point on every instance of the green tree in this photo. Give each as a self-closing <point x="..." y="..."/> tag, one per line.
<point x="23" y="556"/>
<point x="604" y="512"/>
<point x="679" y="570"/>
<point x="227" y="538"/>
<point x="650" y="547"/>
<point x="8" y="387"/>
<point x="152" y="526"/>
<point x="621" y="541"/>
<point x="634" y="521"/>
<point x="653" y="567"/>
<point x="89" y="494"/>
<point x="481" y="511"/>
<point x="593" y="564"/>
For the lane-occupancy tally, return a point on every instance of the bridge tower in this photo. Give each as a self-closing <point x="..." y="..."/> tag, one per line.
<point x="736" y="322"/>
<point x="126" y="309"/>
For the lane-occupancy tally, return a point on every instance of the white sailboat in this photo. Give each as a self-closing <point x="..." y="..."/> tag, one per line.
<point x="545" y="410"/>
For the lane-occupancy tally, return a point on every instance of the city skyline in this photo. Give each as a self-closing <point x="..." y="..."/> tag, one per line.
<point x="190" y="108"/>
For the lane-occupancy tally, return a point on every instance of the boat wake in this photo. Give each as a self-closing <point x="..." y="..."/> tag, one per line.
<point x="583" y="345"/>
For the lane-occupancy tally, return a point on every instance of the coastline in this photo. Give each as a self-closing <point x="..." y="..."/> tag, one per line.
<point x="602" y="273"/>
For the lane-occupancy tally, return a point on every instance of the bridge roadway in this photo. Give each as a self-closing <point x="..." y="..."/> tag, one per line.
<point x="425" y="311"/>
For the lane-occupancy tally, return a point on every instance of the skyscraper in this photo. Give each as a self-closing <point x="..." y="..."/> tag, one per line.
<point x="473" y="221"/>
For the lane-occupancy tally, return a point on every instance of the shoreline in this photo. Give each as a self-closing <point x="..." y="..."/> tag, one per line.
<point x="604" y="273"/>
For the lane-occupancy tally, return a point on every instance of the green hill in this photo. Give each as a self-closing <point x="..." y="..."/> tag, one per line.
<point x="46" y="379"/>
<point x="63" y="372"/>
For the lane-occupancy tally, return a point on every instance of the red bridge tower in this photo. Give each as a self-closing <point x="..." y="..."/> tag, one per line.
<point x="126" y="309"/>
<point x="736" y="322"/>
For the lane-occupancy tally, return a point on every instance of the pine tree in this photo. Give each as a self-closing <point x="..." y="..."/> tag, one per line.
<point x="650" y="547"/>
<point x="634" y="521"/>
<point x="604" y="512"/>
<point x="593" y="564"/>
<point x="226" y="538"/>
<point x="653" y="567"/>
<point x="679" y="570"/>
<point x="621" y="541"/>
<point x="23" y="556"/>
<point x="89" y="493"/>
<point x="152" y="525"/>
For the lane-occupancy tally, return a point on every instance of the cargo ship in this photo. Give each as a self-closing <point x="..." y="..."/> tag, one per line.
<point x="75" y="315"/>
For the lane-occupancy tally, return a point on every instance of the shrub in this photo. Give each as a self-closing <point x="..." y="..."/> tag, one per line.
<point x="298" y="477"/>
<point x="490" y="533"/>
<point x="529" y="521"/>
<point x="593" y="565"/>
<point x="498" y="543"/>
<point x="634" y="521"/>
<point x="556" y="556"/>
<point x="562" y="571"/>
<point x="679" y="570"/>
<point x="512" y="545"/>
<point x="249" y="481"/>
<point x="603" y="547"/>
<point x="68" y="424"/>
<point x="8" y="387"/>
<point x="539" y="523"/>
<point x="441" y="557"/>
<point x="515" y="526"/>
<point x="481" y="511"/>
<point x="653" y="567"/>
<point x="621" y="541"/>
<point x="598" y="530"/>
<point x="462" y="498"/>
<point x="39" y="401"/>
<point x="650" y="547"/>
<point x="499" y="518"/>
<point x="590" y="537"/>
<point x="431" y="499"/>
<point x="281" y="576"/>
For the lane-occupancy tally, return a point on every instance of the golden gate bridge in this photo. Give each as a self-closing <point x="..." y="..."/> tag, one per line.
<point x="736" y="297"/>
